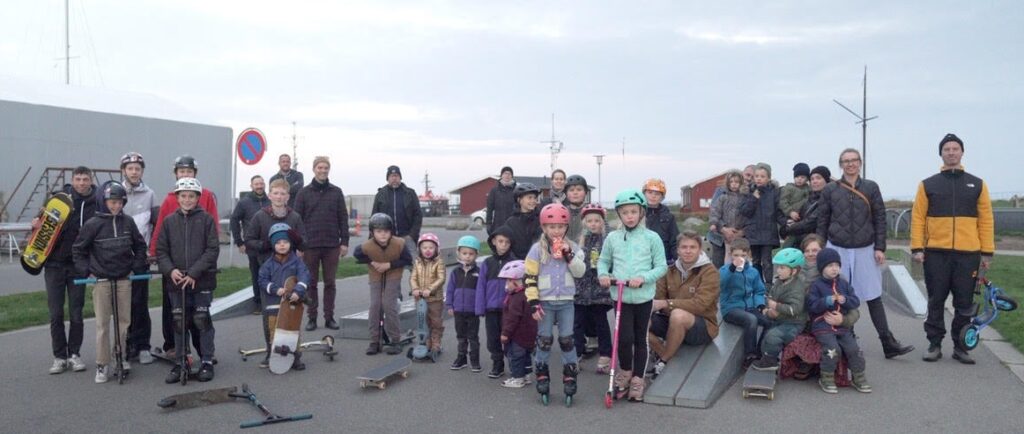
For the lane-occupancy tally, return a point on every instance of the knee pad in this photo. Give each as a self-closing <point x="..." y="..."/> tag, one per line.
<point x="177" y="316"/>
<point x="201" y="319"/>
<point x="544" y="342"/>
<point x="565" y="343"/>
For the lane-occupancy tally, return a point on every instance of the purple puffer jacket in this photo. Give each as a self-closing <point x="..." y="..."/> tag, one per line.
<point x="460" y="295"/>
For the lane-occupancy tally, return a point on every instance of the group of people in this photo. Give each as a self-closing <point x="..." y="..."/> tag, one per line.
<point x="554" y="261"/>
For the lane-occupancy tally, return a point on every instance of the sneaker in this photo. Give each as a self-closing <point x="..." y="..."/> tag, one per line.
<point x="766" y="363"/>
<point x="962" y="356"/>
<point x="496" y="372"/>
<point x="636" y="389"/>
<point x="206" y="372"/>
<point x="603" y="365"/>
<point x="59" y="365"/>
<point x="101" y="374"/>
<point x="514" y="383"/>
<point x="749" y="360"/>
<point x="173" y="376"/>
<point x="658" y="367"/>
<point x="459" y="363"/>
<point x="827" y="382"/>
<point x="145" y="357"/>
<point x="311" y="325"/>
<point x="331" y="323"/>
<point x="126" y="366"/>
<point x="934" y="353"/>
<point x="76" y="363"/>
<point x="475" y="367"/>
<point x="860" y="382"/>
<point x="392" y="349"/>
<point x="298" y="366"/>
<point x="373" y="349"/>
<point x="265" y="363"/>
<point x="622" y="378"/>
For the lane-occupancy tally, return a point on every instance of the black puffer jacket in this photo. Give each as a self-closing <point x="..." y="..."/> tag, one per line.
<point x="189" y="243"/>
<point x="525" y="230"/>
<point x="808" y="223"/>
<point x="846" y="220"/>
<point x="83" y="208"/>
<point x="663" y="222"/>
<point x="257" y="232"/>
<point x="588" y="291"/>
<point x="109" y="247"/>
<point x="763" y="216"/>
<point x="244" y="210"/>
<point x="384" y="202"/>
<point x="501" y="204"/>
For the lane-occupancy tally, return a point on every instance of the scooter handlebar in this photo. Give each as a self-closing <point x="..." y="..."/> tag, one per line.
<point x="88" y="280"/>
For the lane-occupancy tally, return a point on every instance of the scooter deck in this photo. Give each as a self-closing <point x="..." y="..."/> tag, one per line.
<point x="377" y="377"/>
<point x="759" y="383"/>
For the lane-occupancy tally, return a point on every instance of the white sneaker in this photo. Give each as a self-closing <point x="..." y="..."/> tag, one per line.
<point x="76" y="362"/>
<point x="101" y="374"/>
<point x="59" y="365"/>
<point x="514" y="382"/>
<point x="145" y="357"/>
<point x="125" y="366"/>
<point x="658" y="367"/>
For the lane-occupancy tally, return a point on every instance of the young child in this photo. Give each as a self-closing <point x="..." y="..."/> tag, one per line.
<point x="576" y="191"/>
<point x="785" y="308"/>
<point x="109" y="246"/>
<point x="551" y="265"/>
<point x="426" y="281"/>
<point x="592" y="301"/>
<point x="386" y="257"/>
<point x="634" y="255"/>
<point x="763" y="217"/>
<point x="523" y="224"/>
<point x="743" y="297"/>
<point x="284" y="263"/>
<point x="660" y="219"/>
<point x="832" y="293"/>
<point x="186" y="254"/>
<point x="811" y="245"/>
<point x="460" y="299"/>
<point x="793" y="196"/>
<point x="518" y="328"/>
<point x="724" y="217"/>
<point x="490" y="295"/>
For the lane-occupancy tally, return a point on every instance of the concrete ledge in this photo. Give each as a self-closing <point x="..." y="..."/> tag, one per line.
<point x="237" y="303"/>
<point x="356" y="325"/>
<point x="697" y="376"/>
<point x="899" y="286"/>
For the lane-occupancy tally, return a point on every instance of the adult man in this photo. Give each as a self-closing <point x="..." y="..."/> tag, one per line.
<point x="501" y="202"/>
<point x="325" y="216"/>
<point x="59" y="274"/>
<point x="951" y="232"/>
<point x="851" y="217"/>
<point x="294" y="177"/>
<point x="140" y="204"/>
<point x="246" y="208"/>
<point x="403" y="205"/>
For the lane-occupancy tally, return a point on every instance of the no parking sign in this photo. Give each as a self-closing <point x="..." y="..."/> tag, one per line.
<point x="251" y="146"/>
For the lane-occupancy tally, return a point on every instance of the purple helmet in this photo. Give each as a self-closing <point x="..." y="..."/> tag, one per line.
<point x="513" y="270"/>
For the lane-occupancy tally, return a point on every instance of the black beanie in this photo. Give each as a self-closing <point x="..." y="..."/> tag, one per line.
<point x="395" y="170"/>
<point x="951" y="138"/>
<point x="801" y="169"/>
<point x="507" y="169"/>
<point x="823" y="171"/>
<point x="827" y="256"/>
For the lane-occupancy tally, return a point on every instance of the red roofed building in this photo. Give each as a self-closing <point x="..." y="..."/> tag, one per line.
<point x="696" y="198"/>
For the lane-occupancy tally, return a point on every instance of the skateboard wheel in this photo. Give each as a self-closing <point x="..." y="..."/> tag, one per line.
<point x="329" y="340"/>
<point x="405" y="374"/>
<point x="362" y="384"/>
<point x="382" y="385"/>
<point x="568" y="401"/>
<point x="771" y="396"/>
<point x="746" y="394"/>
<point x="330" y="357"/>
<point x="545" y="399"/>
<point x="607" y="401"/>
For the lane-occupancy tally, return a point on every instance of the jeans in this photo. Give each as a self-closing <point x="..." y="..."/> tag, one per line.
<point x="749" y="320"/>
<point x="141" y="327"/>
<point x="834" y="346"/>
<point x="778" y="336"/>
<point x="59" y="282"/>
<point x="561" y="313"/>
<point x="518" y="359"/>
<point x="592" y="317"/>
<point x="317" y="258"/>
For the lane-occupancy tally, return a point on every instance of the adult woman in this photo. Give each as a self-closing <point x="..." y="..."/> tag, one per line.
<point x="725" y="218"/>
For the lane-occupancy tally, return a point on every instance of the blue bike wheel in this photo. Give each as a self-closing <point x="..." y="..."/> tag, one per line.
<point x="970" y="336"/>
<point x="1005" y="303"/>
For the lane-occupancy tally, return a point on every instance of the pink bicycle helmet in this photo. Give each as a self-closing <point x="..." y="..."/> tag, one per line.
<point x="428" y="237"/>
<point x="593" y="208"/>
<point x="554" y="213"/>
<point x="513" y="270"/>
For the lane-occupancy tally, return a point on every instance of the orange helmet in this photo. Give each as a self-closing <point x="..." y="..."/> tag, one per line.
<point x="655" y="184"/>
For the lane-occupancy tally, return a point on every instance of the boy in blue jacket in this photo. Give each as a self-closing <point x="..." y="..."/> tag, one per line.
<point x="742" y="299"/>
<point x="284" y="263"/>
<point x="460" y="299"/>
<point x="831" y="292"/>
<point x="490" y="290"/>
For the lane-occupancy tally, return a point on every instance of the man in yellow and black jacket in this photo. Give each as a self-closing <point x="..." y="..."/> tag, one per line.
<point x="952" y="233"/>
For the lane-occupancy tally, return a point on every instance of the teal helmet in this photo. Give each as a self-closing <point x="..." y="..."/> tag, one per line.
<point x="630" y="197"/>
<point x="789" y="257"/>
<point x="469" y="241"/>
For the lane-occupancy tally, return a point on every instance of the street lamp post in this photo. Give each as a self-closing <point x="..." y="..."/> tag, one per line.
<point x="600" y="159"/>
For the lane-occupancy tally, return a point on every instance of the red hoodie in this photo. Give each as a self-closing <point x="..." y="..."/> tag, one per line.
<point x="207" y="201"/>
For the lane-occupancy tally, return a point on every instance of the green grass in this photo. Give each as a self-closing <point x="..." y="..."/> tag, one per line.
<point x="18" y="311"/>
<point x="1007" y="272"/>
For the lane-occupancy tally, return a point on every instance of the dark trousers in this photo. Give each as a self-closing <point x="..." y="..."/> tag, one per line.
<point x="254" y="271"/>
<point x="492" y="322"/>
<point x="834" y="346"/>
<point x="633" y="326"/>
<point x="59" y="281"/>
<point x="945" y="273"/>
<point x="593" y="318"/>
<point x="718" y="254"/>
<point x="518" y="359"/>
<point x="325" y="259"/>
<point x="141" y="328"/>
<point x="467" y="331"/>
<point x="167" y="319"/>
<point x="761" y="256"/>
<point x="749" y="320"/>
<point x="194" y="301"/>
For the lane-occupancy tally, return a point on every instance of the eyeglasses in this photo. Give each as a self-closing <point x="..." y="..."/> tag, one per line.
<point x="851" y="161"/>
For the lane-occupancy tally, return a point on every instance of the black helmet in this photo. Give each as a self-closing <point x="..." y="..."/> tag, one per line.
<point x="114" y="190"/>
<point x="524" y="189"/>
<point x="132" y="157"/>
<point x="185" y="161"/>
<point x="381" y="221"/>
<point x="577" y="180"/>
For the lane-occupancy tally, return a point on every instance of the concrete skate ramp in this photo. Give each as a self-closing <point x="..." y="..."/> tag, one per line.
<point x="899" y="286"/>
<point x="697" y="376"/>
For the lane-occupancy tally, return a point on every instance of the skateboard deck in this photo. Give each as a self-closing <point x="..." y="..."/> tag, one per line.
<point x="420" y="352"/>
<point x="286" y="336"/>
<point x="377" y="377"/>
<point x="200" y="398"/>
<point x="325" y="344"/>
<point x="41" y="241"/>
<point x="759" y="383"/>
<point x="159" y="354"/>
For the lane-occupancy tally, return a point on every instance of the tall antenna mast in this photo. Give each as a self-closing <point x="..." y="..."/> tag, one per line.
<point x="623" y="149"/>
<point x="555" y="145"/>
<point x="67" y="43"/>
<point x="295" y="147"/>
<point x="862" y="119"/>
<point x="426" y="182"/>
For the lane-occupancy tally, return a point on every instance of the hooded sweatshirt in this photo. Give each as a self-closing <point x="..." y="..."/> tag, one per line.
<point x="109" y="247"/>
<point x="490" y="289"/>
<point x="694" y="289"/>
<point x="517" y="319"/>
<point x="83" y="208"/>
<point x="741" y="289"/>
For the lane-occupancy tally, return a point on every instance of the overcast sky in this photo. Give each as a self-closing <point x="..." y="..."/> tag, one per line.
<point x="461" y="89"/>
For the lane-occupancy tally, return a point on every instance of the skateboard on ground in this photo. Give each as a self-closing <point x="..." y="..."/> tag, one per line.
<point x="227" y="394"/>
<point x="377" y="377"/>
<point x="421" y="352"/>
<point x="40" y="242"/>
<point x="325" y="344"/>
<point x="286" y="336"/>
<point x="760" y="383"/>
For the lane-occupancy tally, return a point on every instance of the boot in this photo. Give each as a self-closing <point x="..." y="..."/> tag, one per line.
<point x="766" y="363"/>
<point x="892" y="348"/>
<point x="311" y="324"/>
<point x="636" y="389"/>
<point x="860" y="382"/>
<point x="962" y="356"/>
<point x="459" y="363"/>
<point x="934" y="353"/>
<point x="569" y="374"/>
<point x="265" y="363"/>
<point x="827" y="381"/>
<point x="331" y="323"/>
<point x="497" y="369"/>
<point x="622" y="378"/>
<point x="173" y="376"/>
<point x="205" y="372"/>
<point x="297" y="364"/>
<point x="392" y="349"/>
<point x="373" y="349"/>
<point x="543" y="379"/>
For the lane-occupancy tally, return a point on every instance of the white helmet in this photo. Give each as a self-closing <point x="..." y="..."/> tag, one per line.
<point x="188" y="184"/>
